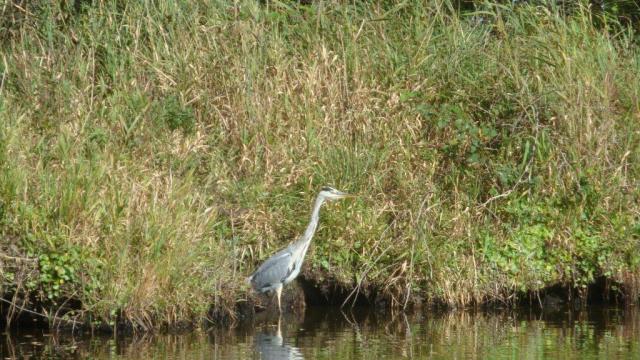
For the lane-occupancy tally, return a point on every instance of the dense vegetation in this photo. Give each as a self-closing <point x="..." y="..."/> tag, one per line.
<point x="152" y="153"/>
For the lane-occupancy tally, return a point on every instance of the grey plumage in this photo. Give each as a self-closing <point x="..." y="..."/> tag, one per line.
<point x="284" y="266"/>
<point x="273" y="271"/>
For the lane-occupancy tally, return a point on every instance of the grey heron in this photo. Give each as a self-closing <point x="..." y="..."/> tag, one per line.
<point x="281" y="268"/>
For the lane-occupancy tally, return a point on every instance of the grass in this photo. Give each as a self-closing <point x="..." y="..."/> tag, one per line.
<point x="152" y="154"/>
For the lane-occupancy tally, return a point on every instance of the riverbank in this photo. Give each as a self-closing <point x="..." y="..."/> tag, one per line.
<point x="151" y="155"/>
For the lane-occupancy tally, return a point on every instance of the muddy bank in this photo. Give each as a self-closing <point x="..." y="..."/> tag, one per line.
<point x="303" y="293"/>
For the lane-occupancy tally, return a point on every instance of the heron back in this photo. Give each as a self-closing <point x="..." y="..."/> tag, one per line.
<point x="272" y="273"/>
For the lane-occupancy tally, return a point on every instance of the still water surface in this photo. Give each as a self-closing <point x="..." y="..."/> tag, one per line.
<point x="326" y="333"/>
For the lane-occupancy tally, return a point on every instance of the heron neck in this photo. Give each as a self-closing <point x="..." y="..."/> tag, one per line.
<point x="315" y="217"/>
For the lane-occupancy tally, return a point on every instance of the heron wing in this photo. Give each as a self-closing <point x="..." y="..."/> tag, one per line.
<point x="273" y="271"/>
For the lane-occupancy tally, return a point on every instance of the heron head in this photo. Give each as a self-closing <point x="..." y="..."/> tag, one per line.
<point x="330" y="193"/>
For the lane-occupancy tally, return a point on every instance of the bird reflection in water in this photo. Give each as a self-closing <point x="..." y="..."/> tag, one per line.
<point x="273" y="346"/>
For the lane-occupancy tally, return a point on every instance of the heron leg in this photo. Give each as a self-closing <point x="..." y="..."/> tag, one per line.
<point x="279" y="332"/>
<point x="279" y="294"/>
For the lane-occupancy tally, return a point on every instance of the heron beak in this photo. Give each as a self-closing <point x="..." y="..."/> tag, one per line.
<point x="342" y="195"/>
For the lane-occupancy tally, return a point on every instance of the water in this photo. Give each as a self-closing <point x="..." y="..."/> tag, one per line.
<point x="321" y="333"/>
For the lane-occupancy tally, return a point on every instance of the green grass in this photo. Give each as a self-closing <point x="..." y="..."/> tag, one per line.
<point x="152" y="154"/>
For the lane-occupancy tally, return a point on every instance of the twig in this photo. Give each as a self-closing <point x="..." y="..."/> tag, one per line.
<point x="55" y="316"/>
<point x="420" y="212"/>
<point x="508" y="192"/>
<point x="21" y="308"/>
<point x="356" y="290"/>
<point x="4" y="256"/>
<point x="4" y="74"/>
<point x="504" y="194"/>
